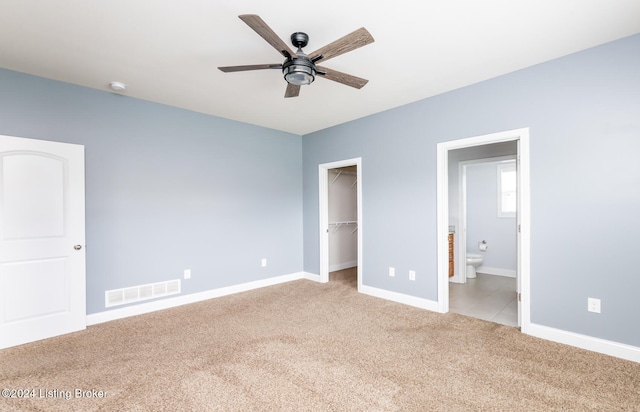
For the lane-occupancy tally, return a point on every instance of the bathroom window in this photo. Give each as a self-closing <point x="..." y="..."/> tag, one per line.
<point x="507" y="189"/>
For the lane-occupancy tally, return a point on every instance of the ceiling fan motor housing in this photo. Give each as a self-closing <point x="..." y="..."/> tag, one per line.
<point x="299" y="70"/>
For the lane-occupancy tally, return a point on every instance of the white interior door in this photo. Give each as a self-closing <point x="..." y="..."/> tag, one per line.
<point x="42" y="238"/>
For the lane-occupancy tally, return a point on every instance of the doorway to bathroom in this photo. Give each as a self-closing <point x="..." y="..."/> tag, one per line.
<point x="484" y="282"/>
<point x="448" y="212"/>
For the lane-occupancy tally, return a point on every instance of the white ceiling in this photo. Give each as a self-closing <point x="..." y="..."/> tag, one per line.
<point x="169" y="51"/>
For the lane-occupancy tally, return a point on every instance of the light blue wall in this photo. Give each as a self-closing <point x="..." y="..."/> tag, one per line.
<point x="483" y="222"/>
<point x="583" y="112"/>
<point x="168" y="189"/>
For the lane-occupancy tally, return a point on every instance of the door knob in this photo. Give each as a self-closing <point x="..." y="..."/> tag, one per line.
<point x="77" y="247"/>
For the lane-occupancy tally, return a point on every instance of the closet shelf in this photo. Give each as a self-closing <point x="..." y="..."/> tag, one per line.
<point x="337" y="225"/>
<point x="345" y="172"/>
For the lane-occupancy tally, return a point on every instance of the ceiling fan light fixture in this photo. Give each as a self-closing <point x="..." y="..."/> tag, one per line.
<point x="299" y="71"/>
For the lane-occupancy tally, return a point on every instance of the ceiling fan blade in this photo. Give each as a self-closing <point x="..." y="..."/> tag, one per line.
<point x="343" y="78"/>
<point x="259" y="26"/>
<point x="292" y="90"/>
<point x="228" y="69"/>
<point x="351" y="41"/>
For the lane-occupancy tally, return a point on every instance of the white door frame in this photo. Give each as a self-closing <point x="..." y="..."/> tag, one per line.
<point x="323" y="195"/>
<point x="524" y="212"/>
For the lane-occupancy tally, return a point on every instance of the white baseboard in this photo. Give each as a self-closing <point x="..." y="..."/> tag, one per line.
<point x="311" y="276"/>
<point x="400" y="298"/>
<point x="618" y="350"/>
<point x="496" y="271"/>
<point x="153" y="306"/>
<point x="345" y="265"/>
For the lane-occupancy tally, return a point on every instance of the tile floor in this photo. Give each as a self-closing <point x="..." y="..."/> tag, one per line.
<point x="487" y="297"/>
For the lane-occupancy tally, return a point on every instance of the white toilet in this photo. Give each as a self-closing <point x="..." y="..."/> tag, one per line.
<point x="473" y="261"/>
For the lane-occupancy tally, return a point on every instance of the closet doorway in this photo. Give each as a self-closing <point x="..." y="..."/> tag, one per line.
<point x="340" y="197"/>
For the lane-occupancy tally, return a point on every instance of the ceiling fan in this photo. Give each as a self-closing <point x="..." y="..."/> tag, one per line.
<point x="299" y="68"/>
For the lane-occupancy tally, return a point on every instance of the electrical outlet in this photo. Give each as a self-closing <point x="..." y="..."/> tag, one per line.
<point x="187" y="273"/>
<point x="412" y="275"/>
<point x="593" y="305"/>
<point x="264" y="262"/>
<point x="392" y="271"/>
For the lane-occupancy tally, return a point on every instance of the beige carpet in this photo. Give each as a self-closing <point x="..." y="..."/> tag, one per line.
<point x="304" y="346"/>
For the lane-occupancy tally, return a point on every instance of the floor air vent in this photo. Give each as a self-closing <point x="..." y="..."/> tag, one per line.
<point x="142" y="292"/>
